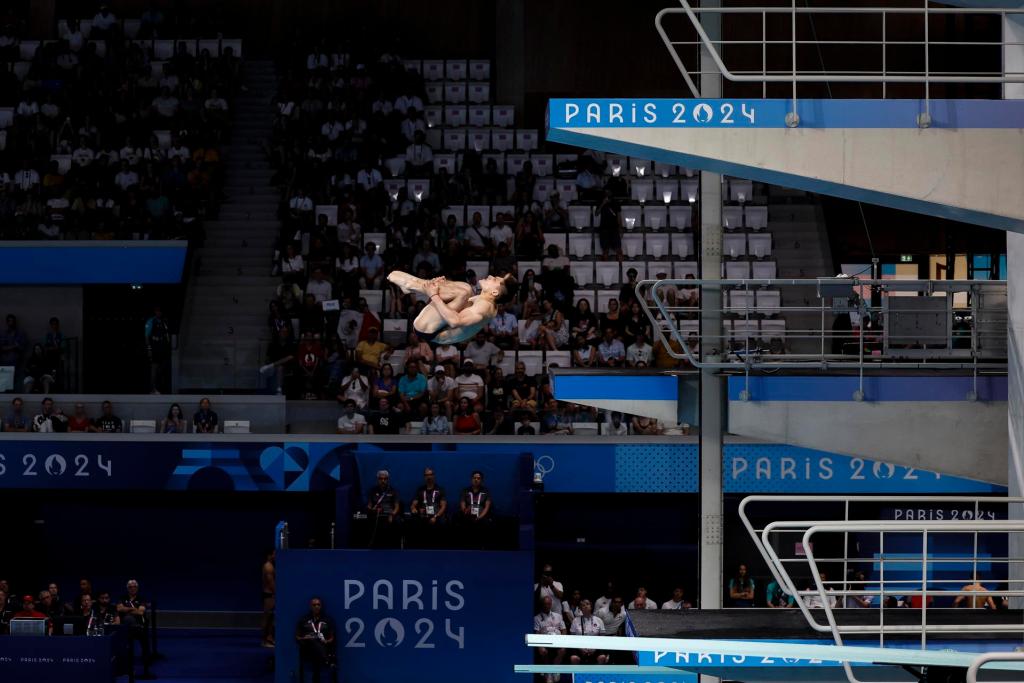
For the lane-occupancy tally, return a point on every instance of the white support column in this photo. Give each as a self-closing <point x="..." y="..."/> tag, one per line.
<point x="1013" y="61"/>
<point x="711" y="383"/>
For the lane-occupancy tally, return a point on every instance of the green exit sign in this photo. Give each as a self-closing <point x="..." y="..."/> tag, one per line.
<point x="906" y="258"/>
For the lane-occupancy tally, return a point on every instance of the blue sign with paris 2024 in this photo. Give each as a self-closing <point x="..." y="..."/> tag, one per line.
<point x="402" y="615"/>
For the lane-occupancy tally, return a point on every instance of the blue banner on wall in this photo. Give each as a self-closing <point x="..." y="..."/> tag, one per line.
<point x="425" y="616"/>
<point x="92" y="262"/>
<point x="568" y="467"/>
<point x="602" y="112"/>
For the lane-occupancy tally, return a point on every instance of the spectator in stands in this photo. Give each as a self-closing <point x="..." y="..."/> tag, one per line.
<point x="586" y="624"/>
<point x="412" y="390"/>
<point x="857" y="580"/>
<point x="548" y="621"/>
<point x="384" y="506"/>
<point x="554" y="333"/>
<point x="16" y="420"/>
<point x="205" y="421"/>
<point x="105" y="613"/>
<point x="49" y="606"/>
<point x="39" y="373"/>
<point x="469" y="384"/>
<point x="639" y="352"/>
<point x="28" y="611"/>
<point x="466" y="420"/>
<point x="610" y="351"/>
<point x="49" y="420"/>
<point x="504" y="328"/>
<point x="678" y="601"/>
<point x="499" y="422"/>
<point x="641" y="601"/>
<point x="584" y="355"/>
<point x="315" y="635"/>
<point x="741" y="588"/>
<point x="318" y="287"/>
<point x="386" y="420"/>
<point x="419" y="350"/>
<point x="482" y="352"/>
<point x="609" y="226"/>
<point x="611" y="317"/>
<point x="548" y="587"/>
<point x="174" y="423"/>
<point x="13" y="343"/>
<point x="522" y="390"/>
<point x="497" y="391"/>
<point x="158" y="350"/>
<point x="584" y="322"/>
<point x="107" y="422"/>
<point x="525" y="428"/>
<point x="436" y="423"/>
<point x="356" y="388"/>
<point x="646" y="426"/>
<point x="6" y="613"/>
<point x="441" y="390"/>
<point x="775" y="597"/>
<point x="293" y="267"/>
<point x="386" y="385"/>
<point x="447" y="353"/>
<point x="529" y="242"/>
<point x="350" y="421"/>
<point x="371" y="268"/>
<point x="79" y="421"/>
<point x="370" y="351"/>
<point x="613" y="615"/>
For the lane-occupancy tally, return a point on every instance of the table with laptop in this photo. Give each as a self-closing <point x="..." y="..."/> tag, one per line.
<point x="64" y="649"/>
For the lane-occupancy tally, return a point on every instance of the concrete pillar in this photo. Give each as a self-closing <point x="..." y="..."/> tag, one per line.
<point x="1013" y="61"/>
<point x="711" y="383"/>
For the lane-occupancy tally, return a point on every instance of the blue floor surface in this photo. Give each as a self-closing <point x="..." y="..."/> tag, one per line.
<point x="212" y="656"/>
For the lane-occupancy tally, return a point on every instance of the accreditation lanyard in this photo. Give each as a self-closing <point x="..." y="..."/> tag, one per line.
<point x="475" y="505"/>
<point x="430" y="505"/>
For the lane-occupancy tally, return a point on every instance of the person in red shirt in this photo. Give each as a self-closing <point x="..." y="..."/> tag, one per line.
<point x="28" y="611"/>
<point x="79" y="422"/>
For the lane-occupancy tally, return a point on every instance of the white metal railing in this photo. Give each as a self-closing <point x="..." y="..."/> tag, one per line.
<point x="823" y="592"/>
<point x="882" y="74"/>
<point x="771" y="323"/>
<point x="982" y="660"/>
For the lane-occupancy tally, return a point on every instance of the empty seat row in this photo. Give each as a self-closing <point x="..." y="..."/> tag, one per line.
<point x="749" y="301"/>
<point x="419" y="189"/>
<point x="458" y="92"/>
<point x="475" y="115"/>
<point x="464" y="213"/>
<point x="483" y="139"/>
<point x="758" y="245"/>
<point x="746" y="270"/>
<point x="665" y="190"/>
<point x="739" y="217"/>
<point x="618" y="165"/>
<point x="450" y="69"/>
<point x="651" y="216"/>
<point x="544" y="165"/>
<point x="766" y="329"/>
<point x="650" y="245"/>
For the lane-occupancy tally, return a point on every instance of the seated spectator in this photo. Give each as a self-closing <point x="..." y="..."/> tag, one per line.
<point x="205" y="421"/>
<point x="16" y="420"/>
<point x="371" y="268"/>
<point x="504" y="328"/>
<point x="13" y="343"/>
<point x="386" y="420"/>
<point x="586" y="624"/>
<point x="350" y="421"/>
<point x="441" y="390"/>
<point x="412" y="390"/>
<point x="615" y="425"/>
<point x="525" y="428"/>
<point x="446" y="353"/>
<point x="28" y="611"/>
<point x="497" y="391"/>
<point x="499" y="422"/>
<point x="355" y="388"/>
<point x="549" y="622"/>
<point x="646" y="426"/>
<point x="49" y="420"/>
<point x="639" y="352"/>
<point x="293" y="267"/>
<point x="39" y="371"/>
<point x="315" y="635"/>
<point x="482" y="352"/>
<point x="613" y="615"/>
<point x="584" y="354"/>
<point x="641" y="601"/>
<point x="174" y="423"/>
<point x="677" y="601"/>
<point x="469" y="384"/>
<point x="419" y="350"/>
<point x="419" y="157"/>
<point x="610" y="351"/>
<point x="6" y="613"/>
<point x="522" y="390"/>
<point x="107" y="422"/>
<point x="466" y="420"/>
<point x="370" y="352"/>
<point x="611" y="318"/>
<point x="741" y="588"/>
<point x="79" y="421"/>
<point x="386" y="386"/>
<point x="775" y="597"/>
<point x="319" y="288"/>
<point x="104" y="612"/>
<point x="436" y="424"/>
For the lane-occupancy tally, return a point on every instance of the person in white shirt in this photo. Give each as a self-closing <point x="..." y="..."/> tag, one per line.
<point x="437" y="422"/>
<point x="300" y="204"/>
<point x="677" y="601"/>
<point x="641" y="601"/>
<point x="83" y="156"/>
<point x="371" y="267"/>
<point x="586" y="624"/>
<point x="814" y="601"/>
<point x="166" y="104"/>
<point x="471" y="386"/>
<point x="482" y="352"/>
<point x="505" y="328"/>
<point x="549" y="588"/>
<point x="615" y="425"/>
<point x="126" y="177"/>
<point x="419" y="157"/>
<point x="441" y="390"/>
<point x="407" y="102"/>
<point x="27" y="108"/>
<point x="350" y="421"/>
<point x="292" y="266"/>
<point x="639" y="352"/>
<point x="501" y="231"/>
<point x="26" y="177"/>
<point x="319" y="287"/>
<point x="349" y="231"/>
<point x="549" y="622"/>
<point x="103" y="22"/>
<point x="368" y="177"/>
<point x="446" y="353"/>
<point x="613" y="615"/>
<point x="857" y="580"/>
<point x="355" y="388"/>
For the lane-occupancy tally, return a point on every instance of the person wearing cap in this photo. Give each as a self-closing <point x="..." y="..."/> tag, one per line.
<point x="29" y="611"/>
<point x="441" y="390"/>
<point x="470" y="384"/>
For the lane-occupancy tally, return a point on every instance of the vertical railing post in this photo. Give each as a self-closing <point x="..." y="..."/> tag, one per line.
<point x="881" y="589"/>
<point x="924" y="589"/>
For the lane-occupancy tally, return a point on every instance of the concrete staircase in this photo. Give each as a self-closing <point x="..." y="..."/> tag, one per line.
<point x="801" y="251"/>
<point x="225" y="328"/>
